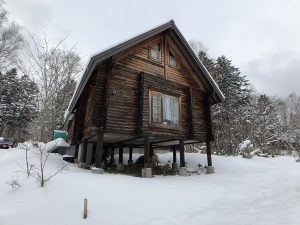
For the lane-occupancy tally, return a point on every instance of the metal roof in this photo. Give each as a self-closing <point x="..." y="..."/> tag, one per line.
<point x="106" y="54"/>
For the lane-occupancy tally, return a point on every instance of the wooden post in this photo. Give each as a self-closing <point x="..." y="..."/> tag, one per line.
<point x="121" y="154"/>
<point x="151" y="150"/>
<point x="84" y="151"/>
<point x="181" y="149"/>
<point x="85" y="209"/>
<point x="130" y="154"/>
<point x="146" y="151"/>
<point x="140" y="113"/>
<point x="112" y="156"/>
<point x="191" y="114"/>
<point x="99" y="150"/>
<point x="208" y="153"/>
<point x="174" y="154"/>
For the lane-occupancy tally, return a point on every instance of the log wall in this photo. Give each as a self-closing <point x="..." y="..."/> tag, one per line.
<point x="112" y="98"/>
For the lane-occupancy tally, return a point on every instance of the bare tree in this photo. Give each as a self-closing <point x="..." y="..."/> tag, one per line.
<point x="197" y="46"/>
<point x="11" y="40"/>
<point x="55" y="70"/>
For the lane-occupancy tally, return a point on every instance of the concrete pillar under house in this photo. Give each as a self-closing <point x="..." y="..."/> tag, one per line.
<point x="89" y="153"/>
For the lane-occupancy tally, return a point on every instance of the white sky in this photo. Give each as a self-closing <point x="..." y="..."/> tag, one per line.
<point x="261" y="37"/>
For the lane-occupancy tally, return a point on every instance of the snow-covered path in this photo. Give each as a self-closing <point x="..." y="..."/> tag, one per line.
<point x="256" y="191"/>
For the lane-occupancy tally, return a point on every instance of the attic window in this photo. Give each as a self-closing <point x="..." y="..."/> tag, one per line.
<point x="154" y="52"/>
<point x="172" y="60"/>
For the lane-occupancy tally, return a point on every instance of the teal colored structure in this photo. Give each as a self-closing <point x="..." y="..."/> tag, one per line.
<point x="59" y="134"/>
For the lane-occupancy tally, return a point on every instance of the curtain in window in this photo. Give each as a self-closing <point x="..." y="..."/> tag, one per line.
<point x="170" y="109"/>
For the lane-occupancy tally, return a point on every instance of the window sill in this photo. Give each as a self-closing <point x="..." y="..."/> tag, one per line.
<point x="166" y="126"/>
<point x="158" y="61"/>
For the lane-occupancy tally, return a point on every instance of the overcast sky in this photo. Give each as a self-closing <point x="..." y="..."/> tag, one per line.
<point x="261" y="37"/>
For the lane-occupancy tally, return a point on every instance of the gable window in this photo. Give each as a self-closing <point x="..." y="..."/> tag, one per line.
<point x="154" y="52"/>
<point x="172" y="60"/>
<point x="165" y="109"/>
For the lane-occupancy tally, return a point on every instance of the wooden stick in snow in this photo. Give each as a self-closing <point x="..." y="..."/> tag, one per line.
<point x="85" y="209"/>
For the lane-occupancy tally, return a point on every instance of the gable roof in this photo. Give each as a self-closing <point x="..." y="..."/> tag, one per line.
<point x="210" y="84"/>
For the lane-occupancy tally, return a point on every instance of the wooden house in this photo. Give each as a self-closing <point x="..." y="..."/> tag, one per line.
<point x="149" y="92"/>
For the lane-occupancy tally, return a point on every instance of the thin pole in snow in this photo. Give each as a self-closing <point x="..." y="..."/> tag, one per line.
<point x="85" y="209"/>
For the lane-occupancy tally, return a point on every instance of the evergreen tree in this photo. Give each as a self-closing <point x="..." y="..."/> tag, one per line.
<point x="229" y="117"/>
<point x="268" y="128"/>
<point x="17" y="103"/>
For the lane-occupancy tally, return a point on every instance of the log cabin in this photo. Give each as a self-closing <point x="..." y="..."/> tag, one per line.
<point x="149" y="92"/>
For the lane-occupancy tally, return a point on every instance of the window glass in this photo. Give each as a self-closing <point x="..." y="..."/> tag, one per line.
<point x="165" y="109"/>
<point x="155" y="52"/>
<point x="172" y="60"/>
<point x="156" y="108"/>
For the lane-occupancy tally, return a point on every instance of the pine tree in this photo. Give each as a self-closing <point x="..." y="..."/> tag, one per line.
<point x="268" y="128"/>
<point x="17" y="103"/>
<point x="229" y="117"/>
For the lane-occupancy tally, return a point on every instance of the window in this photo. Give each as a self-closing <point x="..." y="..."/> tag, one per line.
<point x="154" y="52"/>
<point x="165" y="109"/>
<point x="172" y="60"/>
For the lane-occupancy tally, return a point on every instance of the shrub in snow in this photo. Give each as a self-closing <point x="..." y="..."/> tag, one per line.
<point x="153" y="160"/>
<point x="140" y="160"/>
<point x="43" y="151"/>
<point x="14" y="182"/>
<point x="246" y="149"/>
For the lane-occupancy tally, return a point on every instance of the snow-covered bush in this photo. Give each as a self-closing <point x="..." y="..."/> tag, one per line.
<point x="246" y="149"/>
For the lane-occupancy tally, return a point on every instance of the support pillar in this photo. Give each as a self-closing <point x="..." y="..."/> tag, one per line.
<point x="208" y="153"/>
<point x="174" y="154"/>
<point x="76" y="151"/>
<point x="99" y="150"/>
<point x="130" y="161"/>
<point x="182" y="169"/>
<point x="120" y="165"/>
<point x="112" y="156"/>
<point x="181" y="149"/>
<point x="146" y="151"/>
<point x="89" y="153"/>
<point x="121" y="154"/>
<point x="84" y="150"/>
<point x="151" y="150"/>
<point x="147" y="170"/>
<point x="174" y="164"/>
<point x="72" y="150"/>
<point x="210" y="169"/>
<point x="79" y="152"/>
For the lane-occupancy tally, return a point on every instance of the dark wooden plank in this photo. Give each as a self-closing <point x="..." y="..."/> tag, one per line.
<point x="181" y="149"/>
<point x="99" y="149"/>
<point x="140" y="104"/>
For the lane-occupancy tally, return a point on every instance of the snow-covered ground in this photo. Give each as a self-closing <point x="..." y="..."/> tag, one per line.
<point x="242" y="191"/>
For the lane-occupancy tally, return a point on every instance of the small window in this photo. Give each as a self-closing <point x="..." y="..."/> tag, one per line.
<point x="172" y="60"/>
<point x="165" y="109"/>
<point x="154" y="52"/>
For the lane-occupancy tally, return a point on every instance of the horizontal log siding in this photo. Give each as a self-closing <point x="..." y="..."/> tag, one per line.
<point x="99" y="97"/>
<point x="94" y="90"/>
<point x="201" y="115"/>
<point x="183" y="74"/>
<point x="123" y="101"/>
